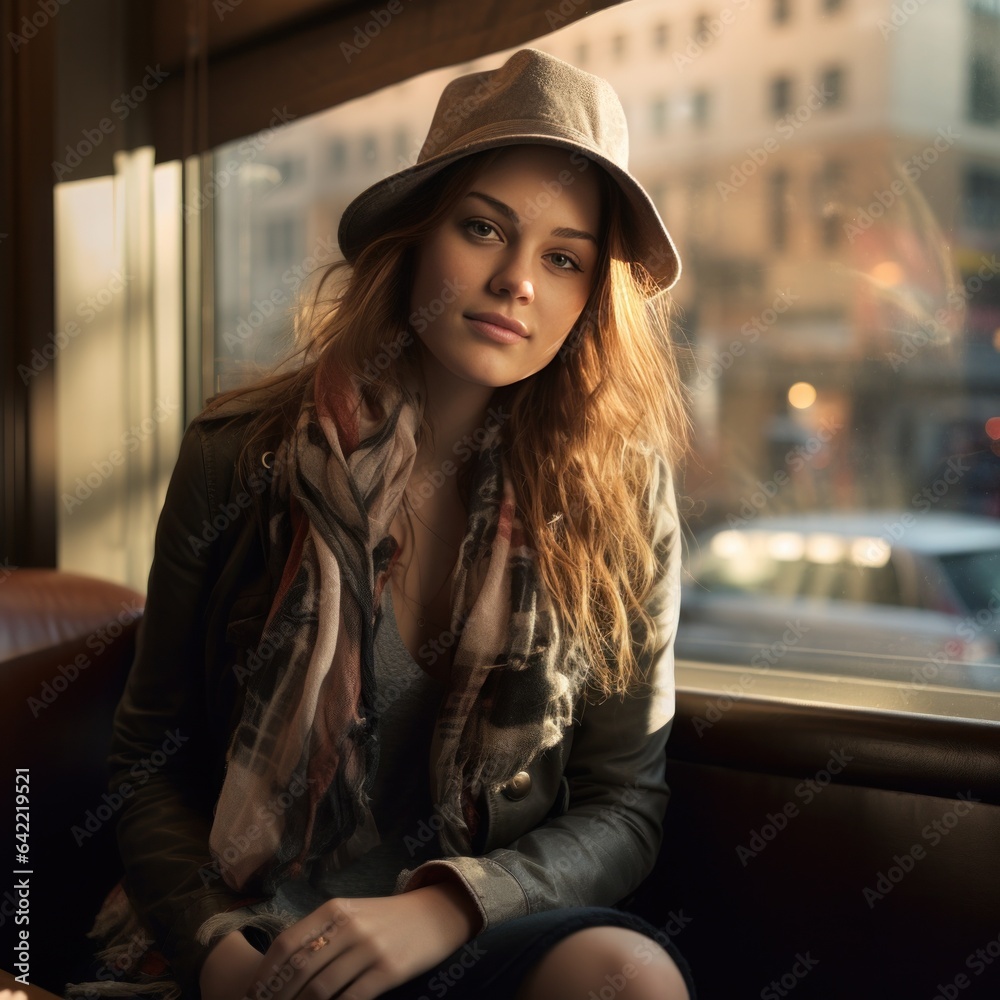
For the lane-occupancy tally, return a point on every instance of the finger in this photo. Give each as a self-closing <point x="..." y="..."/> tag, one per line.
<point x="338" y="975"/>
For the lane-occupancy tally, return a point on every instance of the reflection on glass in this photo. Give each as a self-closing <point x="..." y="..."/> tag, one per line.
<point x="831" y="173"/>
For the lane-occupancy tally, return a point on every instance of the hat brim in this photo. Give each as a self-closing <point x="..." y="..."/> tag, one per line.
<point x="371" y="211"/>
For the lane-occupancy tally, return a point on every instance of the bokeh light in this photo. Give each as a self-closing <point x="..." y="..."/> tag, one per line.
<point x="802" y="395"/>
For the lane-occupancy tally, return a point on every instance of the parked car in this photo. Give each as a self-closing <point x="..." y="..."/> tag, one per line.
<point x="881" y="594"/>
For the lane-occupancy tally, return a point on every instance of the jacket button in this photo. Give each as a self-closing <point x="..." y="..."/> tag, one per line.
<point x="518" y="786"/>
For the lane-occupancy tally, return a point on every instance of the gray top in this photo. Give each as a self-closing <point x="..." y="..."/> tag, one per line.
<point x="401" y="800"/>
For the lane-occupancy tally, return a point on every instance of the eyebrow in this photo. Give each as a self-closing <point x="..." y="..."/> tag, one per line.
<point x="566" y="233"/>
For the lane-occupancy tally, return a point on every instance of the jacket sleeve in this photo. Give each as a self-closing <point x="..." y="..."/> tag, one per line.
<point x="607" y="841"/>
<point x="159" y="748"/>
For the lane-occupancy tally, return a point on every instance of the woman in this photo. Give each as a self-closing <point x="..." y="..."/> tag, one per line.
<point x="409" y="624"/>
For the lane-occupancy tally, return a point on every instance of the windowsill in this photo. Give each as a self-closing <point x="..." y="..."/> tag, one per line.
<point x="936" y="741"/>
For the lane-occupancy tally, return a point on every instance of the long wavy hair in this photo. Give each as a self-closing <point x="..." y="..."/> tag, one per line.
<point x="615" y="411"/>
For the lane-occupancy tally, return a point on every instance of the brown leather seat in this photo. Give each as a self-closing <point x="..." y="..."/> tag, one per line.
<point x="41" y="608"/>
<point x="66" y="643"/>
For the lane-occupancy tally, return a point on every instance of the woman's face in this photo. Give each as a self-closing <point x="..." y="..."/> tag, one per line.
<point x="521" y="244"/>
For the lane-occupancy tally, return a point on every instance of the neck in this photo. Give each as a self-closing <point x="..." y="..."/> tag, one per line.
<point x="455" y="409"/>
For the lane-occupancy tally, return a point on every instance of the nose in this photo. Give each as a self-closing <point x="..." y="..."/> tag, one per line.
<point x="513" y="276"/>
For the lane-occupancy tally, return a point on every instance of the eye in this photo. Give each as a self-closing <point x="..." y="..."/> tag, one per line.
<point x="564" y="262"/>
<point x="479" y="228"/>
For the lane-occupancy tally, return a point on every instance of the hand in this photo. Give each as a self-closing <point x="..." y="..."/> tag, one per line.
<point x="229" y="968"/>
<point x="372" y="944"/>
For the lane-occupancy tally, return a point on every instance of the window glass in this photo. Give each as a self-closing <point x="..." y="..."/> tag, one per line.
<point x="831" y="174"/>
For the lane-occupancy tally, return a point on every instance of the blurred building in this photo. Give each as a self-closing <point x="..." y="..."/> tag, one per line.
<point x="831" y="172"/>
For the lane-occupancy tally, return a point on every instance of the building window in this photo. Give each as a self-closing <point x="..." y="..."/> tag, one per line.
<point x="700" y="108"/>
<point x="781" y="11"/>
<point x="658" y="115"/>
<point x="830" y="198"/>
<point x="661" y="36"/>
<point x="981" y="201"/>
<point x="291" y="170"/>
<point x="402" y="147"/>
<point x="984" y="89"/>
<point x="779" y="209"/>
<point x="338" y="155"/>
<point x="832" y="6"/>
<point x="701" y="32"/>
<point x="369" y="150"/>
<point x="832" y="87"/>
<point x="582" y="52"/>
<point x="618" y="46"/>
<point x="781" y="95"/>
<point x="280" y="241"/>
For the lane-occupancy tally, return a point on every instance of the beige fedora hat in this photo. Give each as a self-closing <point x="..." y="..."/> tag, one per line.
<point x="533" y="97"/>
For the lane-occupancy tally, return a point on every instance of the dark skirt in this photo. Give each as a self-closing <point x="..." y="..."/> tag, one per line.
<point x="493" y="965"/>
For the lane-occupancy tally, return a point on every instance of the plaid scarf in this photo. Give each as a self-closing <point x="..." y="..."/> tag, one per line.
<point x="306" y="747"/>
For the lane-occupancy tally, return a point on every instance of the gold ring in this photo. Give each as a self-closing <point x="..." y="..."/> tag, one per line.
<point x="320" y="942"/>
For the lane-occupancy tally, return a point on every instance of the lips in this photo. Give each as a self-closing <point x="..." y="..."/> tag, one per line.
<point x="498" y="319"/>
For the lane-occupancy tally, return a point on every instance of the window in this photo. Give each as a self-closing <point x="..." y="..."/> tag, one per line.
<point x="832" y="6"/>
<point x="338" y="155"/>
<point x="658" y="115"/>
<point x="981" y="202"/>
<point x="832" y="87"/>
<point x="842" y="319"/>
<point x="779" y="209"/>
<point x="984" y="64"/>
<point x="291" y="170"/>
<point x="618" y="46"/>
<point x="831" y="198"/>
<point x="700" y="108"/>
<point x="781" y="95"/>
<point x="402" y="153"/>
<point x="781" y="11"/>
<point x="280" y="241"/>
